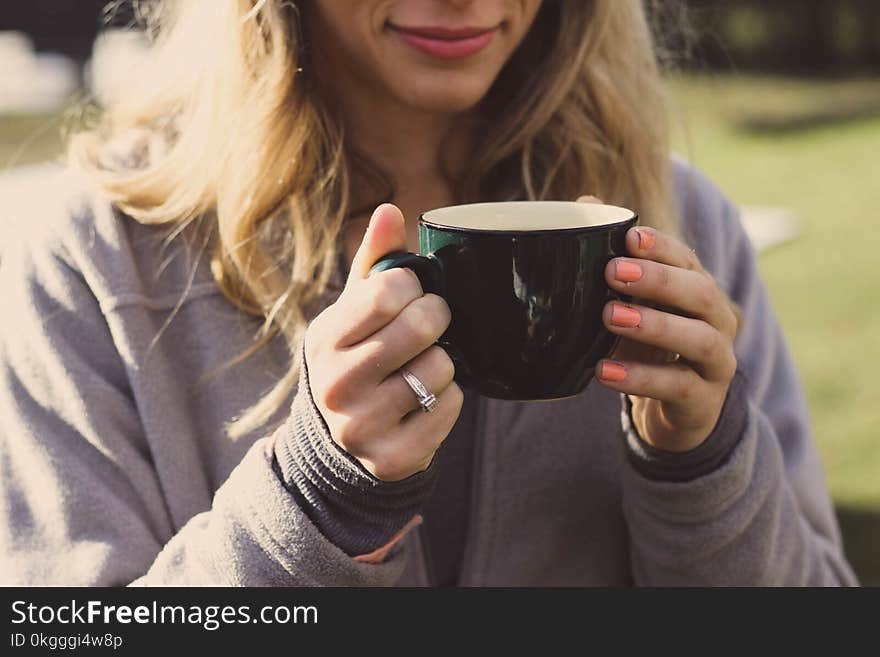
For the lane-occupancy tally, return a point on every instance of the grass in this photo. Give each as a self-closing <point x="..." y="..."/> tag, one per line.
<point x="806" y="145"/>
<point x="29" y="139"/>
<point x="821" y="163"/>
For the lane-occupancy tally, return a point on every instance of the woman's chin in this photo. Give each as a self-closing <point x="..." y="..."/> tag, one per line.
<point x="445" y="96"/>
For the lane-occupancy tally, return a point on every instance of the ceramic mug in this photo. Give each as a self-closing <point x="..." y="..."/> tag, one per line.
<point x="525" y="283"/>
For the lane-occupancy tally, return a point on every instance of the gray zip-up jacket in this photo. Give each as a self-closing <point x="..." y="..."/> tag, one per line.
<point x="115" y="467"/>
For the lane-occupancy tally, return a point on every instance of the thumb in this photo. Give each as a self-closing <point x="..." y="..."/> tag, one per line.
<point x="385" y="234"/>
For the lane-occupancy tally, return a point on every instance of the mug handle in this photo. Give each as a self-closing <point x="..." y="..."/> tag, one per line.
<point x="428" y="269"/>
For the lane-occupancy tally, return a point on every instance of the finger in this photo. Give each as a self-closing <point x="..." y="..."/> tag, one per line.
<point x="410" y="448"/>
<point x="698" y="343"/>
<point x="694" y="293"/>
<point x="417" y="327"/>
<point x="433" y="367"/>
<point x="385" y="234"/>
<point x="673" y="383"/>
<point x="429" y="430"/>
<point x="589" y="199"/>
<point x="366" y="306"/>
<point x="627" y="349"/>
<point x="651" y="244"/>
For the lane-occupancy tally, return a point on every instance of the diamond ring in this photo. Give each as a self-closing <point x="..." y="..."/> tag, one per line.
<point x="427" y="400"/>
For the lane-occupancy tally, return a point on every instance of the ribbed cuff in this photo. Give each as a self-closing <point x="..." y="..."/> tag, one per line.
<point x="353" y="509"/>
<point x="660" y="465"/>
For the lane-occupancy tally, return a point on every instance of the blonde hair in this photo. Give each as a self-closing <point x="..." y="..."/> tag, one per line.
<point x="226" y="130"/>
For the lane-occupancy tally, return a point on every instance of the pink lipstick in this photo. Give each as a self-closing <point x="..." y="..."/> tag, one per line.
<point x="444" y="42"/>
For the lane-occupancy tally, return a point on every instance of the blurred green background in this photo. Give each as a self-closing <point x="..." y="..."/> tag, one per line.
<point x="780" y="104"/>
<point x="769" y="141"/>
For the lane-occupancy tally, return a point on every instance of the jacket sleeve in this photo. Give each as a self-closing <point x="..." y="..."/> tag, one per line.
<point x="81" y="503"/>
<point x="763" y="516"/>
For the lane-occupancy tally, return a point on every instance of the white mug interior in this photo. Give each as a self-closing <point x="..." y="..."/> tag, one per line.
<point x="526" y="216"/>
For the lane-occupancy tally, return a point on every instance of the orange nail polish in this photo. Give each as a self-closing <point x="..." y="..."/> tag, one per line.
<point x="625" y="316"/>
<point x="627" y="272"/>
<point x="647" y="239"/>
<point x="613" y="372"/>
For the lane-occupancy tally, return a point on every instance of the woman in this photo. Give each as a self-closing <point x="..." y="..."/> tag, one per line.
<point x="203" y="383"/>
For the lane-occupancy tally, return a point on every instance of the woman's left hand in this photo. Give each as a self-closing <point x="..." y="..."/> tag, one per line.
<point x="676" y="358"/>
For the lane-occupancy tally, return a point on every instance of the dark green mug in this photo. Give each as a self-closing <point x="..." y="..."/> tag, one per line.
<point x="526" y="286"/>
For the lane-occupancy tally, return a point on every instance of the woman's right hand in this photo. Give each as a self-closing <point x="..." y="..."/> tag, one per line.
<point x="355" y="348"/>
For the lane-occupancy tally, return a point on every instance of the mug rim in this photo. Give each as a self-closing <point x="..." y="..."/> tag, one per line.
<point x="501" y="231"/>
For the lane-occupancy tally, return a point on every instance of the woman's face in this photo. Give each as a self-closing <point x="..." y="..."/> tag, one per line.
<point x="432" y="55"/>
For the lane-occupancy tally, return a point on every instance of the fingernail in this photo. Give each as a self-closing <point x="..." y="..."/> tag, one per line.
<point x="624" y="316"/>
<point x="647" y="239"/>
<point x="627" y="272"/>
<point x="613" y="372"/>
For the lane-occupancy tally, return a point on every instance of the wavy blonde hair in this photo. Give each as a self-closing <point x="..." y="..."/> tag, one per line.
<point x="226" y="130"/>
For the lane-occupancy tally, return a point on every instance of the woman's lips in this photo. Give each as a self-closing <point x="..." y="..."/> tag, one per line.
<point x="446" y="43"/>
